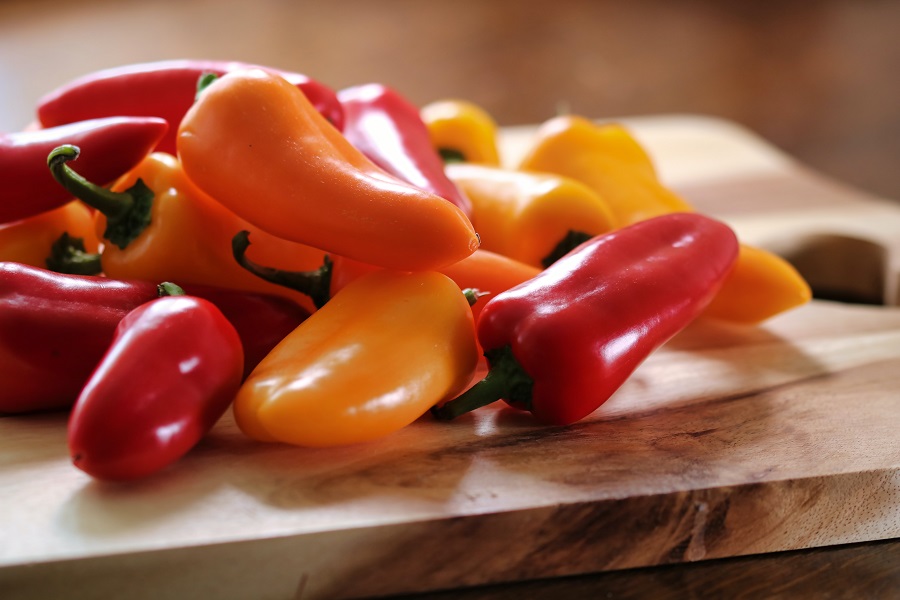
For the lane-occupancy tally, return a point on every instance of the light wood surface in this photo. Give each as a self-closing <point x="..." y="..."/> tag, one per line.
<point x="730" y="441"/>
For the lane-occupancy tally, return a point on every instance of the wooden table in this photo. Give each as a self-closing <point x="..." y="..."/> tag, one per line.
<point x="727" y="451"/>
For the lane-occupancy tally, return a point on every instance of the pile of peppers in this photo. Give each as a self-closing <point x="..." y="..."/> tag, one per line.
<point x="182" y="238"/>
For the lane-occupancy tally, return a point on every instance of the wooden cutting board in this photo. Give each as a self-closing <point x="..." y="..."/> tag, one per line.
<point x="729" y="441"/>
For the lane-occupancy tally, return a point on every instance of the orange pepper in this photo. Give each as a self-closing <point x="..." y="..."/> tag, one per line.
<point x="174" y="232"/>
<point x="530" y="217"/>
<point x="607" y="159"/>
<point x="610" y="161"/>
<point x="375" y="358"/>
<point x="255" y="143"/>
<point x="31" y="241"/>
<point x="462" y="132"/>
<point x="761" y="285"/>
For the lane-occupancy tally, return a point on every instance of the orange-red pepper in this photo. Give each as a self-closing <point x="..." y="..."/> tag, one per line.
<point x="256" y="144"/>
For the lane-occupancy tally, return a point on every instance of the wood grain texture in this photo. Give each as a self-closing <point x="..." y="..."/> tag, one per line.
<point x="730" y="441"/>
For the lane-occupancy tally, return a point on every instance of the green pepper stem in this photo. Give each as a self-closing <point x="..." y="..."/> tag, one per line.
<point x="68" y="255"/>
<point x="127" y="213"/>
<point x="316" y="283"/>
<point x="204" y="81"/>
<point x="111" y="204"/>
<point x="167" y="288"/>
<point x="506" y="379"/>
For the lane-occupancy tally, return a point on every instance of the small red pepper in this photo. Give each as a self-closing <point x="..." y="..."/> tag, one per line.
<point x="114" y="146"/>
<point x="389" y="130"/>
<point x="171" y="372"/>
<point x="55" y="328"/>
<point x="561" y="343"/>
<point x="159" y="89"/>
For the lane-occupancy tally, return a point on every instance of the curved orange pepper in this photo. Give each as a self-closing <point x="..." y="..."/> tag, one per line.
<point x="462" y="131"/>
<point x="30" y="241"/>
<point x="608" y="160"/>
<point x="527" y="216"/>
<point x="374" y="359"/>
<point x="256" y="144"/>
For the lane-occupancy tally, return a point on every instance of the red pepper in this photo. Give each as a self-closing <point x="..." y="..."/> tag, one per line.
<point x="389" y="130"/>
<point x="55" y="328"/>
<point x="172" y="371"/>
<point x="159" y="89"/>
<point x="114" y="146"/>
<point x="561" y="343"/>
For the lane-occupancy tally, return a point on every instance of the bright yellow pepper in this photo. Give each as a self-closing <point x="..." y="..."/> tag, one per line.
<point x="527" y="216"/>
<point x="376" y="357"/>
<point x="607" y="159"/>
<point x="462" y="131"/>
<point x="30" y="241"/>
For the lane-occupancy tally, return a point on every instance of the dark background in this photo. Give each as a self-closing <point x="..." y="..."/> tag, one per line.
<point x="819" y="80"/>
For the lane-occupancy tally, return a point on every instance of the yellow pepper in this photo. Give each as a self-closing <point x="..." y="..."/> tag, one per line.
<point x="761" y="285"/>
<point x="30" y="241"/>
<point x="166" y="229"/>
<point x="376" y="357"/>
<point x="607" y="159"/>
<point x="462" y="132"/>
<point x="530" y="217"/>
<point x="612" y="163"/>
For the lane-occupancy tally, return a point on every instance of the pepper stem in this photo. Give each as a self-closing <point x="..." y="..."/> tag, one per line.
<point x="167" y="288"/>
<point x="316" y="283"/>
<point x="570" y="241"/>
<point x="127" y="213"/>
<point x="506" y="379"/>
<point x="68" y="255"/>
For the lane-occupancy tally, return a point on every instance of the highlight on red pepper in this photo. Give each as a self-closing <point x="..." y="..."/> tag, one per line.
<point x="374" y="359"/>
<point x="562" y="343"/>
<point x="171" y="372"/>
<point x="389" y="130"/>
<point x="157" y="225"/>
<point x="114" y="145"/>
<point x="254" y="143"/>
<point x="164" y="89"/>
<point x="55" y="328"/>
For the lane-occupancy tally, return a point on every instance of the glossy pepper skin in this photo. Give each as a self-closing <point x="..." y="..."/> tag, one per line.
<point x="462" y="131"/>
<point x="254" y="143"/>
<point x="164" y="89"/>
<point x="389" y="130"/>
<point x="167" y="229"/>
<point x="560" y="344"/>
<point x="531" y="217"/>
<point x="31" y="241"/>
<point x="375" y="358"/>
<point x="171" y="372"/>
<point x="606" y="158"/>
<point x="55" y="328"/>
<point x="114" y="145"/>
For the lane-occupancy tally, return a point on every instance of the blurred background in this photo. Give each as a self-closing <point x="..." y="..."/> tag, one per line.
<point x="818" y="79"/>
